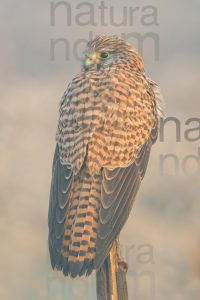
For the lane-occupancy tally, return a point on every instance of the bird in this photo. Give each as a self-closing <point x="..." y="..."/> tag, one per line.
<point x="108" y="121"/>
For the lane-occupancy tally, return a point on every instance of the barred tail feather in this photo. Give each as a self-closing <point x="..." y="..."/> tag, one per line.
<point x="79" y="240"/>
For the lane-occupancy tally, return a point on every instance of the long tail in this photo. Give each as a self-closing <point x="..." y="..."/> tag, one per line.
<point x="79" y="241"/>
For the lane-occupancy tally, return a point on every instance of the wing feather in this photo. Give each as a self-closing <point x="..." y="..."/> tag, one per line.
<point x="119" y="189"/>
<point x="61" y="185"/>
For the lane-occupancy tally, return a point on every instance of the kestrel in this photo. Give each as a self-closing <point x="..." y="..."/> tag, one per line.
<point x="108" y="121"/>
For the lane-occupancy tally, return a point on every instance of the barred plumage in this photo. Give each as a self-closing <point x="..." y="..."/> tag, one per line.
<point x="107" y="124"/>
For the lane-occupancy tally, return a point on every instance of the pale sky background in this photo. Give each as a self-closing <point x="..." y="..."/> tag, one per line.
<point x="166" y="212"/>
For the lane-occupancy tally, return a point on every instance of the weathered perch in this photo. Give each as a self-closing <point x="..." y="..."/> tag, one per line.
<point x="111" y="278"/>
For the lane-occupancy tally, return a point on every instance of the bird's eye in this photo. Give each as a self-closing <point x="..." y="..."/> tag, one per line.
<point x="104" y="55"/>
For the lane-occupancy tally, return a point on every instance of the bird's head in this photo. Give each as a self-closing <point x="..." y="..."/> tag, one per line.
<point x="104" y="51"/>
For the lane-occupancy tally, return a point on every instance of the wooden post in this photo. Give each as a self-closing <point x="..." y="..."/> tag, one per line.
<point x="111" y="278"/>
<point x="113" y="271"/>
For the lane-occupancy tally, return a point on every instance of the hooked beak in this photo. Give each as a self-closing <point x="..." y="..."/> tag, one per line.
<point x="91" y="61"/>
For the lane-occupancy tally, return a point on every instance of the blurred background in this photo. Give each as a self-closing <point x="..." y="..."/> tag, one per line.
<point x="40" y="46"/>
